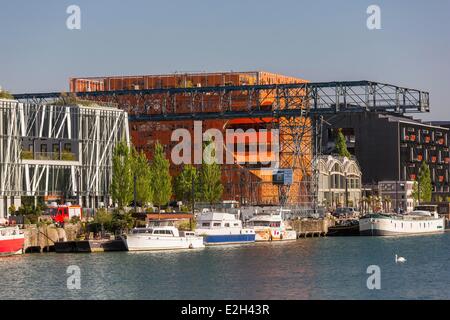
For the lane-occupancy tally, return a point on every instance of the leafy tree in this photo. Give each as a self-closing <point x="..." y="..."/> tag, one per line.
<point x="341" y="145"/>
<point x="415" y="192"/>
<point x="103" y="218"/>
<point x="30" y="210"/>
<point x="387" y="203"/>
<point x="161" y="179"/>
<point x="422" y="189"/>
<point x="5" y="94"/>
<point x="143" y="173"/>
<point x="122" y="180"/>
<point x="12" y="209"/>
<point x="121" y="221"/>
<point x="183" y="184"/>
<point x="71" y="99"/>
<point x="211" y="187"/>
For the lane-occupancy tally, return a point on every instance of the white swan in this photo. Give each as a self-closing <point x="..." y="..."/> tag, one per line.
<point x="399" y="259"/>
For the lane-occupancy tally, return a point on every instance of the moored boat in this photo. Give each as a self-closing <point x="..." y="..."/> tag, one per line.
<point x="415" y="222"/>
<point x="218" y="228"/>
<point x="12" y="241"/>
<point x="271" y="227"/>
<point x="161" y="235"/>
<point x="348" y="228"/>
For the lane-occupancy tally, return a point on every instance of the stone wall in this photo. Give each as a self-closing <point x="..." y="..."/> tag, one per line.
<point x="311" y="226"/>
<point x="46" y="235"/>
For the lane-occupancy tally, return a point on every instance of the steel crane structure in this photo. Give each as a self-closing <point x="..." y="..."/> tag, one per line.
<point x="296" y="109"/>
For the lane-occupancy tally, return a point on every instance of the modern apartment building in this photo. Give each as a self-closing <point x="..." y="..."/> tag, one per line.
<point x="58" y="152"/>
<point x="392" y="148"/>
<point x="396" y="195"/>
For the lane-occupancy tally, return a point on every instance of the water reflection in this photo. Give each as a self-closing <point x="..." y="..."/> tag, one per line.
<point x="326" y="268"/>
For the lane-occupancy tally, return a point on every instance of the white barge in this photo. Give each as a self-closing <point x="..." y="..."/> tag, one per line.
<point x="415" y="222"/>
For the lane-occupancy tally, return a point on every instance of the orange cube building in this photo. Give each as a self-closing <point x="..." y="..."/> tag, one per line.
<point x="249" y="179"/>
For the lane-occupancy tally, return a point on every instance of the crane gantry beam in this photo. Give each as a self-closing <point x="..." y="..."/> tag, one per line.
<point x="254" y="101"/>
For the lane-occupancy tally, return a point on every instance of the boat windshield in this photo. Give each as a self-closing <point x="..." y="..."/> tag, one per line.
<point x="142" y="230"/>
<point x="163" y="231"/>
<point x="270" y="224"/>
<point x="431" y="208"/>
<point x="160" y="223"/>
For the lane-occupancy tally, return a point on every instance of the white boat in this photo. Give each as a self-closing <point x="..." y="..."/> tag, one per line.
<point x="12" y="241"/>
<point x="271" y="227"/>
<point x="161" y="235"/>
<point x="222" y="228"/>
<point x="415" y="222"/>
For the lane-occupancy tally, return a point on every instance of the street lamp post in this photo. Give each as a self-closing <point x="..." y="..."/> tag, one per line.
<point x="134" y="192"/>
<point x="418" y="192"/>
<point x="396" y="196"/>
<point x="192" y="199"/>
<point x="346" y="191"/>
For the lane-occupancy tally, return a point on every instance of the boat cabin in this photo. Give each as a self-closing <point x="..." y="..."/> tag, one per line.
<point x="216" y="220"/>
<point x="164" y="231"/>
<point x="270" y="221"/>
<point x="428" y="207"/>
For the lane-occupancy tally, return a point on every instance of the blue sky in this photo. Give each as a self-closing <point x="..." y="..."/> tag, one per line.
<point x="317" y="40"/>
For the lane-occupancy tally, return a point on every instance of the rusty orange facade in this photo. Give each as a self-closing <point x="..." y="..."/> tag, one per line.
<point x="178" y="80"/>
<point x="247" y="180"/>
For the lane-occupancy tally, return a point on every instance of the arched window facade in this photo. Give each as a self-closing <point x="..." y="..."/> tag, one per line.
<point x="336" y="176"/>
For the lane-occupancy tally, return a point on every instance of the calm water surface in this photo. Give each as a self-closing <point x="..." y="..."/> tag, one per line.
<point x="325" y="268"/>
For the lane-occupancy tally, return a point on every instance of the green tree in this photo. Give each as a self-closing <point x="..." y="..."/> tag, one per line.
<point x="341" y="145"/>
<point x="211" y="187"/>
<point x="122" y="179"/>
<point x="142" y="171"/>
<point x="415" y="192"/>
<point x="104" y="219"/>
<point x="12" y="209"/>
<point x="422" y="189"/>
<point x="32" y="209"/>
<point x="183" y="184"/>
<point x="5" y="94"/>
<point x="121" y="221"/>
<point x="161" y="179"/>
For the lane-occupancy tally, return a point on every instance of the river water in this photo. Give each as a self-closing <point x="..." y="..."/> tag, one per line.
<point x="319" y="268"/>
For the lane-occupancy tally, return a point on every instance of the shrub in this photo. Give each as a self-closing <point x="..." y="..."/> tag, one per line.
<point x="67" y="156"/>
<point x="74" y="220"/>
<point x="5" y="95"/>
<point x="26" y="154"/>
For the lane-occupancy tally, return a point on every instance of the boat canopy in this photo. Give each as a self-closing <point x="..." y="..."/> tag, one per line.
<point x="420" y="213"/>
<point x="216" y="216"/>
